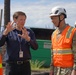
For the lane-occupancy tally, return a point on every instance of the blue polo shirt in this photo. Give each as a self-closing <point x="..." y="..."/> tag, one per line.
<point x="14" y="43"/>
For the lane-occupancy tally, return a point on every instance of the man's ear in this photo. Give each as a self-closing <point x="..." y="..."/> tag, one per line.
<point x="62" y="17"/>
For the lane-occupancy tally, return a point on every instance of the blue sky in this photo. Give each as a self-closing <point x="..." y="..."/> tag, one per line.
<point x="37" y="11"/>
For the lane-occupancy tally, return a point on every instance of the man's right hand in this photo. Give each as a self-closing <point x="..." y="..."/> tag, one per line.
<point x="73" y="72"/>
<point x="8" y="28"/>
<point x="51" y="72"/>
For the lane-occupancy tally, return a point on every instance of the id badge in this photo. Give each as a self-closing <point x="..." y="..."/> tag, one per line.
<point x="21" y="54"/>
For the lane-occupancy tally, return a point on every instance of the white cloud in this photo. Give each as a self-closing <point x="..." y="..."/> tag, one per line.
<point x="38" y="12"/>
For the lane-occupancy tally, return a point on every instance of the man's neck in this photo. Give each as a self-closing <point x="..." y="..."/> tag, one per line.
<point x="19" y="28"/>
<point x="62" y="27"/>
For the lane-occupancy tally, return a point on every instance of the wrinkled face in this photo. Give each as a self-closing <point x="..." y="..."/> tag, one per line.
<point x="55" y="20"/>
<point x="21" y="21"/>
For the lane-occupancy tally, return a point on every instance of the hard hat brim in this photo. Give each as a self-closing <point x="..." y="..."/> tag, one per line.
<point x="53" y="15"/>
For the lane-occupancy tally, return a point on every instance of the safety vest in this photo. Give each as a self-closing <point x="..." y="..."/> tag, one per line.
<point x="62" y="49"/>
<point x="1" y="69"/>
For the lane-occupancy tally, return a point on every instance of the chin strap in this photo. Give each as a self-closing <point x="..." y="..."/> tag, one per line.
<point x="60" y="21"/>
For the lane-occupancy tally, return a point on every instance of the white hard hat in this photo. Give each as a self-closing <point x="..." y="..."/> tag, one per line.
<point x="58" y="11"/>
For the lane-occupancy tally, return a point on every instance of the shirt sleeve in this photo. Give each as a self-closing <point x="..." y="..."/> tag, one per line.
<point x="2" y="40"/>
<point x="51" y="64"/>
<point x="33" y="42"/>
<point x="74" y="50"/>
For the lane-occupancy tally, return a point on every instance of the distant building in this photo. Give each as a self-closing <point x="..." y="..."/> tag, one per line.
<point x="42" y="33"/>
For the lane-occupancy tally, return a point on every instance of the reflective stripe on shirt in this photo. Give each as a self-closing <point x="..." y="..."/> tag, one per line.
<point x="62" y="51"/>
<point x="0" y="65"/>
<point x="69" y="32"/>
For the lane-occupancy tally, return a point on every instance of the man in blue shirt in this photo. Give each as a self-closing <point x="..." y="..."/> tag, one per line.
<point x="18" y="41"/>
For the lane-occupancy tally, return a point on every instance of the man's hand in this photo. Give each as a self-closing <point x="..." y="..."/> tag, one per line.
<point x="8" y="28"/>
<point x="25" y="34"/>
<point x="51" y="72"/>
<point x="73" y="72"/>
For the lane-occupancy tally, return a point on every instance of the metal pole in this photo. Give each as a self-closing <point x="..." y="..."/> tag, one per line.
<point x="1" y="10"/>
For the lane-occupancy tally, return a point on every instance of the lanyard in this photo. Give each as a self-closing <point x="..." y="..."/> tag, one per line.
<point x="19" y="39"/>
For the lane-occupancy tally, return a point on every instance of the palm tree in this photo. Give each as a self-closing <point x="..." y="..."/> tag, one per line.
<point x="6" y="12"/>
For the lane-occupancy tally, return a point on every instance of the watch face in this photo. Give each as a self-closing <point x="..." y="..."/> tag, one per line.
<point x="14" y="25"/>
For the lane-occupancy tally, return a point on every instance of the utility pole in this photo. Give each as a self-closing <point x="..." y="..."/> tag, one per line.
<point x="1" y="10"/>
<point x="6" y="12"/>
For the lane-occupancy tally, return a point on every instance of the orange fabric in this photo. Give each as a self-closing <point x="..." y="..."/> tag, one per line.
<point x="1" y="71"/>
<point x="63" y="43"/>
<point x="63" y="60"/>
<point x="0" y="59"/>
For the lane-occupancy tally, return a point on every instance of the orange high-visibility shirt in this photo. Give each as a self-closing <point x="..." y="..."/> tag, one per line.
<point x="62" y="49"/>
<point x="1" y="68"/>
